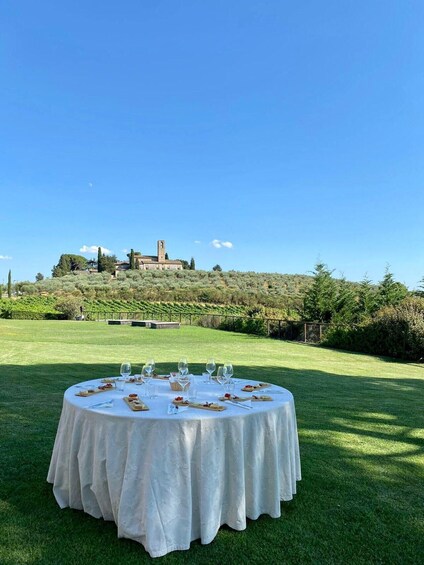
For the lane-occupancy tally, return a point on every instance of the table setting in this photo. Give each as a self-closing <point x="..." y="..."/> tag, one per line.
<point x="171" y="458"/>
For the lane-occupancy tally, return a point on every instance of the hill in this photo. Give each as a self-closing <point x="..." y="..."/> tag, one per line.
<point x="211" y="287"/>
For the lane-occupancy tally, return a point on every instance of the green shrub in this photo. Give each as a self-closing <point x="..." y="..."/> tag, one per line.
<point x="70" y="307"/>
<point x="25" y="315"/>
<point x="255" y="326"/>
<point x="395" y="331"/>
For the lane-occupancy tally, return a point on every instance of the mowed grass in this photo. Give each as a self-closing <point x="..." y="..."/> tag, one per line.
<point x="360" y="419"/>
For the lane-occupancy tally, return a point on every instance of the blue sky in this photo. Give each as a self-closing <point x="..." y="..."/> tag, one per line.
<point x="293" y="130"/>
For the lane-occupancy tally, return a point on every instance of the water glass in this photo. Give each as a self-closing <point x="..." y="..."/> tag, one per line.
<point x="192" y="391"/>
<point x="120" y="384"/>
<point x="152" y="390"/>
<point x="229" y="387"/>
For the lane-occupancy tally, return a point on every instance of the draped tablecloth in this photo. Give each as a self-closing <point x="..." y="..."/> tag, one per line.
<point x="166" y="480"/>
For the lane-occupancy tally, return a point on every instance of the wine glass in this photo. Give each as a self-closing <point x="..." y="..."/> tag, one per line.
<point x="125" y="369"/>
<point x="183" y="381"/>
<point x="151" y="362"/>
<point x="182" y="378"/>
<point x="228" y="371"/>
<point x="146" y="372"/>
<point x="183" y="366"/>
<point x="210" y="368"/>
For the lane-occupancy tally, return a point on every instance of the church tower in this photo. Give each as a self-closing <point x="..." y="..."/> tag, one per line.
<point x="161" y="250"/>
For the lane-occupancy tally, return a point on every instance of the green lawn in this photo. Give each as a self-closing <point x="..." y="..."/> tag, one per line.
<point x="360" y="421"/>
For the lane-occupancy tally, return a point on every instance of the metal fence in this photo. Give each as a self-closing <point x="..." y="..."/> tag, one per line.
<point x="301" y="331"/>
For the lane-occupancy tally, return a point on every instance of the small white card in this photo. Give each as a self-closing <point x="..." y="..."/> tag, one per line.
<point x="172" y="409"/>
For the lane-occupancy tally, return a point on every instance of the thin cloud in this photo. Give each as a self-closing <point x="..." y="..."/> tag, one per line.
<point x="197" y="241"/>
<point x="94" y="249"/>
<point x="217" y="243"/>
<point x="5" y="257"/>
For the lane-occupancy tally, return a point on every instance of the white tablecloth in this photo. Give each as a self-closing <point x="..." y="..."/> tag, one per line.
<point x="169" y="479"/>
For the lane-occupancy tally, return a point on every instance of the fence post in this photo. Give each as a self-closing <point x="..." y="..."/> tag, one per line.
<point x="190" y="318"/>
<point x="304" y="329"/>
<point x="279" y="329"/>
<point x="320" y="332"/>
<point x="267" y="328"/>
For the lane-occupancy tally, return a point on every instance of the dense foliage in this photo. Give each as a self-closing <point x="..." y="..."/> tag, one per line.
<point x="106" y="263"/>
<point x="396" y="331"/>
<point x="69" y="263"/>
<point x="30" y="308"/>
<point x="330" y="300"/>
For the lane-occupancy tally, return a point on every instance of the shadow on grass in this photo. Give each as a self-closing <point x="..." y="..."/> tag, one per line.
<point x="361" y="448"/>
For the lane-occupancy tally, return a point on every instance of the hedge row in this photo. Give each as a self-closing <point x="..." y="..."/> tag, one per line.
<point x="25" y="315"/>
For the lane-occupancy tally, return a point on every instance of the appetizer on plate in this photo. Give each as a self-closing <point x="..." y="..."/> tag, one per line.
<point x="134" y="402"/>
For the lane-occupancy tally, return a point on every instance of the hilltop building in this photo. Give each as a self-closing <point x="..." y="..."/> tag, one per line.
<point x="151" y="262"/>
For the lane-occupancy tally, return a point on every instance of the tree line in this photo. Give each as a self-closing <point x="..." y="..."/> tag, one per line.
<point x="332" y="300"/>
<point x="382" y="319"/>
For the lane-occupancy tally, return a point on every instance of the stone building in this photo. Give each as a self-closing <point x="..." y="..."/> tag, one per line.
<point x="152" y="262"/>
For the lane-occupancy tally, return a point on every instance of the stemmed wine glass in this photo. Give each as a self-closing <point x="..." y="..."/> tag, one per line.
<point x="151" y="362"/>
<point x="228" y="371"/>
<point x="125" y="372"/>
<point x="183" y="365"/>
<point x="125" y="369"/>
<point x="210" y="368"/>
<point x="182" y="378"/>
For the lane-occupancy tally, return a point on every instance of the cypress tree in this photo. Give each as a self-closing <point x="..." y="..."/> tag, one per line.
<point x="132" y="260"/>
<point x="192" y="264"/>
<point x="166" y="257"/>
<point x="99" y="260"/>
<point x="9" y="284"/>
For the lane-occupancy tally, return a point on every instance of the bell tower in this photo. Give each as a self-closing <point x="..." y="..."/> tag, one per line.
<point x="161" y="250"/>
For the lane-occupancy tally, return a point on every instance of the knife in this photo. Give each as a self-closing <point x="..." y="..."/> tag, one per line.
<point x="105" y="404"/>
<point x="239" y="404"/>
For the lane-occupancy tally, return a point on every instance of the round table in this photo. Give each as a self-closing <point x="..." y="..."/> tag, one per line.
<point x="166" y="480"/>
